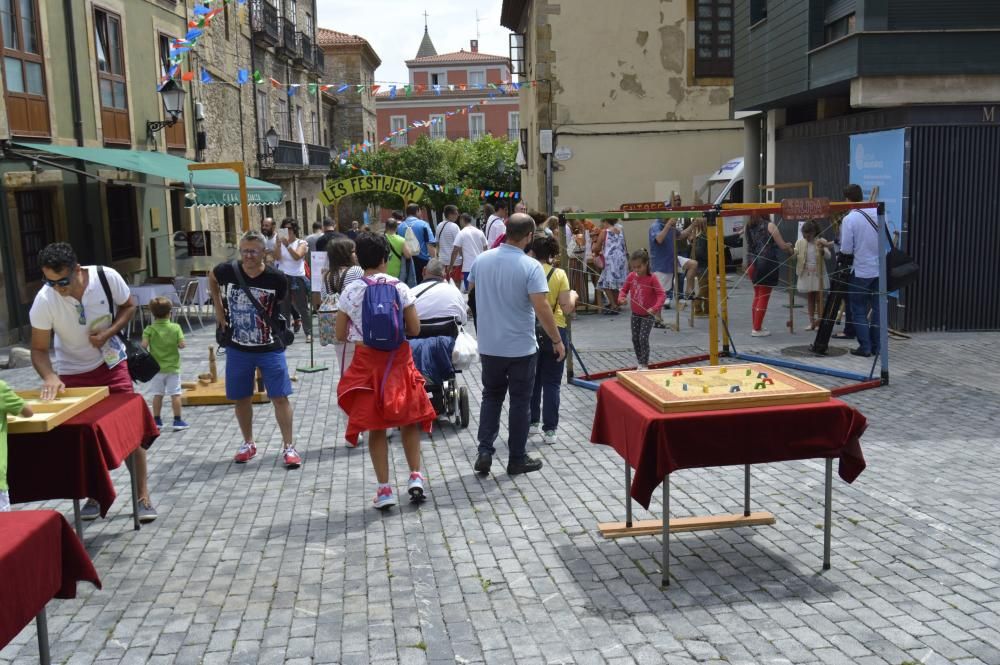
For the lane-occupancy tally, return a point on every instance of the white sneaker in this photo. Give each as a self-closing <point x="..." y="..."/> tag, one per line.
<point x="642" y="367"/>
<point x="384" y="497"/>
<point x="666" y="303"/>
<point x="416" y="486"/>
<point x="550" y="437"/>
<point x="535" y="429"/>
<point x="763" y="332"/>
<point x="4" y="501"/>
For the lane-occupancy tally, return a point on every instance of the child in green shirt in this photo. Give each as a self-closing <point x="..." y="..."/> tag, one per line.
<point x="10" y="403"/>
<point x="164" y="339"/>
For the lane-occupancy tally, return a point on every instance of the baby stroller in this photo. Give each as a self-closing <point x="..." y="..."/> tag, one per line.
<point x="432" y="350"/>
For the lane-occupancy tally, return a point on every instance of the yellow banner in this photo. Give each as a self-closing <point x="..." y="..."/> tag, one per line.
<point x="339" y="189"/>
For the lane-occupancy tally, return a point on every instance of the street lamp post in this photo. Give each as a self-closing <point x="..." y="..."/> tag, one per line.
<point x="172" y="96"/>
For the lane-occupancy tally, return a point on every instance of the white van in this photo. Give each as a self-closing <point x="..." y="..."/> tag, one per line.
<point x="726" y="186"/>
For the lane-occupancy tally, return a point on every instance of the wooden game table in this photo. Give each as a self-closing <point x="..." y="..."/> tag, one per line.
<point x="656" y="444"/>
<point x="40" y="559"/>
<point x="74" y="460"/>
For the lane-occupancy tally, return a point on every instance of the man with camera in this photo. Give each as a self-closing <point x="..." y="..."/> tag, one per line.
<point x="248" y="298"/>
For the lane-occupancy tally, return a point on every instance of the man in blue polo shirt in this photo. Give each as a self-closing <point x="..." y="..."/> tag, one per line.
<point x="510" y="292"/>
<point x="425" y="236"/>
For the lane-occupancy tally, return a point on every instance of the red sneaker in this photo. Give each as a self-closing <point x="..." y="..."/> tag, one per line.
<point x="246" y="453"/>
<point x="292" y="458"/>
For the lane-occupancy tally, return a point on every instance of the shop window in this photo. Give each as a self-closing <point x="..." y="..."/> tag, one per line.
<point x="123" y="222"/>
<point x="714" y="39"/>
<point x="24" y="69"/>
<point x="34" y="220"/>
<point x="111" y="80"/>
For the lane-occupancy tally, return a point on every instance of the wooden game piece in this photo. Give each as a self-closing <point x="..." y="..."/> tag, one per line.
<point x="768" y="381"/>
<point x="749" y="372"/>
<point x="761" y="375"/>
<point x="722" y="370"/>
<point x="684" y="386"/>
<point x="704" y="389"/>
<point x="734" y="389"/>
<point x="760" y="385"/>
<point x="678" y="372"/>
<point x="667" y="383"/>
<point x="697" y="370"/>
<point x="212" y="369"/>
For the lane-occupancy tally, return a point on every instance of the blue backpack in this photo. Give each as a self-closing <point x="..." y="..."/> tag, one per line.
<point x="382" y="325"/>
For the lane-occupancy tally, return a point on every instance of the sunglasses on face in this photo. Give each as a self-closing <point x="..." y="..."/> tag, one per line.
<point x="63" y="282"/>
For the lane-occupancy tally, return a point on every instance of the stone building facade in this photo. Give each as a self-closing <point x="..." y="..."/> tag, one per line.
<point x="635" y="122"/>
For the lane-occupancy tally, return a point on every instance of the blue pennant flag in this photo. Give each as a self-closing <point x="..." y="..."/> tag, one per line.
<point x="242" y="77"/>
<point x="201" y="10"/>
<point x="205" y="76"/>
<point x="392" y="92"/>
<point x="343" y="87"/>
<point x="193" y="33"/>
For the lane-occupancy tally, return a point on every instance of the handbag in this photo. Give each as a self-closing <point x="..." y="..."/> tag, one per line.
<point x="328" y="308"/>
<point x="279" y="326"/>
<point x="900" y="268"/>
<point x="142" y="366"/>
<point x="466" y="350"/>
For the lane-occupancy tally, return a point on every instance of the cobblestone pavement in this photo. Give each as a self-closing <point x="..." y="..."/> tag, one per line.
<point x="256" y="564"/>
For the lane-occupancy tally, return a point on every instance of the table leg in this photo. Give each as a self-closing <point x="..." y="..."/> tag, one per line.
<point x="828" y="513"/>
<point x="666" y="531"/>
<point x="42" y="626"/>
<point x="130" y="465"/>
<point x="77" y="520"/>
<point x="628" y="495"/>
<point x="746" y="490"/>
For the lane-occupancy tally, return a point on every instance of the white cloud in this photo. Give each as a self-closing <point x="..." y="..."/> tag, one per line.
<point x="394" y="28"/>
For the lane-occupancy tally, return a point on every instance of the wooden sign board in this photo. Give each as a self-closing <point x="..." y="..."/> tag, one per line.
<point x="713" y="388"/>
<point x="51" y="414"/>
<point x="802" y="209"/>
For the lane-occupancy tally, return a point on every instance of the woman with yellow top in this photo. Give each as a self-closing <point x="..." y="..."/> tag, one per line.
<point x="548" y="370"/>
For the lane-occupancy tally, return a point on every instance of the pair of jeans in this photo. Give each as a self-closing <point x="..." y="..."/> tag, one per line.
<point x="299" y="291"/>
<point x="862" y="296"/>
<point x="548" y="377"/>
<point x="501" y="374"/>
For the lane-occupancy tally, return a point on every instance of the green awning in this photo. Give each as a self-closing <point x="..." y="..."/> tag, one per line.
<point x="216" y="187"/>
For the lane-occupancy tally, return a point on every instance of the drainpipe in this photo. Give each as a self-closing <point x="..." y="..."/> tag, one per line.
<point x="10" y="272"/>
<point x="74" y="87"/>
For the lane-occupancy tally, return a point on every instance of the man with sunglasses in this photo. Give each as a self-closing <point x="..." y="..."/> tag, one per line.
<point x="72" y="306"/>
<point x="252" y="343"/>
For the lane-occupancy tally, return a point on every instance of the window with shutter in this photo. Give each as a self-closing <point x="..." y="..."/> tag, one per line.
<point x="713" y="39"/>
<point x="24" y="69"/>
<point x="111" y="80"/>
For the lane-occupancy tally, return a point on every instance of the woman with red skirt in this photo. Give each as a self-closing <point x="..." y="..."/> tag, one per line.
<point x="381" y="390"/>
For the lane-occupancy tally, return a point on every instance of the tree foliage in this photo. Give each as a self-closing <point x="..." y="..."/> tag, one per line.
<point x="487" y="163"/>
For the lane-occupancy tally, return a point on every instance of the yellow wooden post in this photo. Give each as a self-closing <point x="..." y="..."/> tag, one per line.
<point x="241" y="172"/>
<point x="713" y="320"/>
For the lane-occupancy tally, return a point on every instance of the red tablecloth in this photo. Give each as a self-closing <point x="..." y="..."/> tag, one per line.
<point x="656" y="444"/>
<point x="40" y="558"/>
<point x="73" y="460"/>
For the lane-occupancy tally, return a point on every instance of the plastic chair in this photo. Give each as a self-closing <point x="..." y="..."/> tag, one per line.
<point x="189" y="298"/>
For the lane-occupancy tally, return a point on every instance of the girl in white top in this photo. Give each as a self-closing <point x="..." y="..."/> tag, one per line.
<point x="811" y="252"/>
<point x="290" y="258"/>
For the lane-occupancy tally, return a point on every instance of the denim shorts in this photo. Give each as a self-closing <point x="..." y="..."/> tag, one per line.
<point x="241" y="367"/>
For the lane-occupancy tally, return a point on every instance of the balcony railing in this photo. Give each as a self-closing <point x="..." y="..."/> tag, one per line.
<point x="289" y="44"/>
<point x="288" y="154"/>
<point x="264" y="20"/>
<point x="305" y="54"/>
<point x="319" y="61"/>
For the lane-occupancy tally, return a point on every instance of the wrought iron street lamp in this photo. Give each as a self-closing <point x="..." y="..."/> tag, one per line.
<point x="172" y="96"/>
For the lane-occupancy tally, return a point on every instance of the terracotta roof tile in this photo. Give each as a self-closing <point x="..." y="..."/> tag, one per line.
<point x="457" y="57"/>
<point x="327" y="37"/>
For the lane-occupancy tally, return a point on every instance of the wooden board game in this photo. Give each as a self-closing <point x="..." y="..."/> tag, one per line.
<point x="51" y="414"/>
<point x="708" y="388"/>
<point x="213" y="394"/>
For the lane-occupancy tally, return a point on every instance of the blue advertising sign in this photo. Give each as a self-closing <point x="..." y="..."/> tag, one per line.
<point x="877" y="160"/>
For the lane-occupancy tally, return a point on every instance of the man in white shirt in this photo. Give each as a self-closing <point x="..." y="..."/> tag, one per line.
<point x="859" y="238"/>
<point x="436" y="297"/>
<point x="73" y="305"/>
<point x="469" y="244"/>
<point x="446" y="233"/>
<point x="270" y="239"/>
<point x="496" y="225"/>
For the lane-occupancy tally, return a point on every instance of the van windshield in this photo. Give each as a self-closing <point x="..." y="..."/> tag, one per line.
<point x="713" y="189"/>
